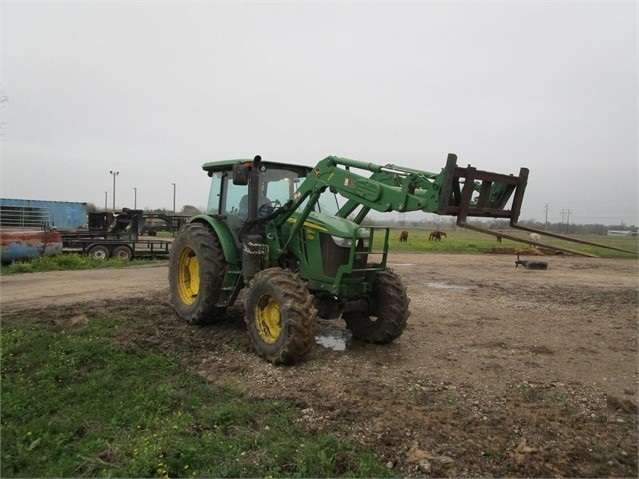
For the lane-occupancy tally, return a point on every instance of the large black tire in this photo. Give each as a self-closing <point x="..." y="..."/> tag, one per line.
<point x="196" y="272"/>
<point x="280" y="316"/>
<point x="389" y="314"/>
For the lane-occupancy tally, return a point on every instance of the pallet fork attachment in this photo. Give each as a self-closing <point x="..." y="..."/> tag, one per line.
<point x="495" y="189"/>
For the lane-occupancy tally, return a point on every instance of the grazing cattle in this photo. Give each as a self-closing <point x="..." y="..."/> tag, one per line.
<point x="403" y="236"/>
<point x="498" y="239"/>
<point x="535" y="237"/>
<point x="436" y="235"/>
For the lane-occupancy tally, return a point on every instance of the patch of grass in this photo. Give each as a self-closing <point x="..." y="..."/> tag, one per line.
<point x="490" y="454"/>
<point x="66" y="262"/>
<point x="523" y="390"/>
<point x="560" y="396"/>
<point x="74" y="404"/>
<point x="452" y="400"/>
<point x="467" y="241"/>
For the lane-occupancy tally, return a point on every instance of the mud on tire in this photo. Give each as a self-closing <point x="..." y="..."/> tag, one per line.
<point x="280" y="316"/>
<point x="390" y="312"/>
<point x="196" y="272"/>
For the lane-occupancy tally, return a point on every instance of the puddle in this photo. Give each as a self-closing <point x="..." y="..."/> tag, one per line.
<point x="386" y="354"/>
<point x="331" y="342"/>
<point x="447" y="286"/>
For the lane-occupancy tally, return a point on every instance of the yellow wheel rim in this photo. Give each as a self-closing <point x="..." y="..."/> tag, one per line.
<point x="268" y="319"/>
<point x="188" y="280"/>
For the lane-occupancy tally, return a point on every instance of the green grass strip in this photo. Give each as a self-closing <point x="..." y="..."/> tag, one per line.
<point x="74" y="404"/>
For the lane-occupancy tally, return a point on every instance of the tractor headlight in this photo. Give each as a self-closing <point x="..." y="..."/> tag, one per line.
<point x="342" y="242"/>
<point x="347" y="242"/>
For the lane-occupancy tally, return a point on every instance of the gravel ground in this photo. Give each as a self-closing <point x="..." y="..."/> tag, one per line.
<point x="502" y="371"/>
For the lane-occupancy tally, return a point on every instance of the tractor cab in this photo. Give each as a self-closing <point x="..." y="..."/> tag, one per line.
<point x="245" y="194"/>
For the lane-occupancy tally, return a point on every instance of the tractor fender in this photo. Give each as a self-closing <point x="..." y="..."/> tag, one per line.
<point x="224" y="235"/>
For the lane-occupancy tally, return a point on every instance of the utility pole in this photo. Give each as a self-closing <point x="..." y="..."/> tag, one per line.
<point x="135" y="198"/>
<point x="546" y="223"/>
<point x="173" y="197"/>
<point x="105" y="201"/>
<point x="568" y="221"/>
<point x="114" y="173"/>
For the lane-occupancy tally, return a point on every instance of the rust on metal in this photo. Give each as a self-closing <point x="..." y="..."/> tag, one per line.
<point x="21" y="244"/>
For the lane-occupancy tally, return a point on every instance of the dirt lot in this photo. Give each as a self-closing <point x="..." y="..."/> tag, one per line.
<point x="502" y="371"/>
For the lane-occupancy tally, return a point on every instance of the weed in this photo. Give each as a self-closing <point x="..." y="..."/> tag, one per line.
<point x="452" y="400"/>
<point x="490" y="453"/>
<point x="524" y="390"/>
<point x="560" y="397"/>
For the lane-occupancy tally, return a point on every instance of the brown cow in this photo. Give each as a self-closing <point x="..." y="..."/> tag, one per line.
<point x="436" y="235"/>
<point x="403" y="236"/>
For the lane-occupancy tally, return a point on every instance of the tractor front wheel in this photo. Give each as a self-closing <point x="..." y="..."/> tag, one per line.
<point x="196" y="272"/>
<point x="280" y="316"/>
<point x="387" y="320"/>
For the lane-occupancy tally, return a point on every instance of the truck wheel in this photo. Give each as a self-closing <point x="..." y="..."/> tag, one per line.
<point x="99" y="252"/>
<point x="389" y="311"/>
<point x="122" y="253"/>
<point x="196" y="271"/>
<point x="280" y="316"/>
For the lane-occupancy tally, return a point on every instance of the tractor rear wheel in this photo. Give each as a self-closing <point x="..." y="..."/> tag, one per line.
<point x="280" y="316"/>
<point x="389" y="304"/>
<point x="196" y="272"/>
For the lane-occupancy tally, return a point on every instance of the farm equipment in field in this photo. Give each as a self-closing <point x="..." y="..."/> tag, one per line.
<point x="279" y="231"/>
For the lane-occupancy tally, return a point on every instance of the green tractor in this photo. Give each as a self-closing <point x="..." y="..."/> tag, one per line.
<point x="293" y="236"/>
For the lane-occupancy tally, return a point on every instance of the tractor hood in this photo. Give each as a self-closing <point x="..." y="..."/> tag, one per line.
<point x="332" y="225"/>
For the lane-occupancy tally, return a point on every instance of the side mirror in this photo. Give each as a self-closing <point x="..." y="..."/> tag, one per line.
<point x="241" y="174"/>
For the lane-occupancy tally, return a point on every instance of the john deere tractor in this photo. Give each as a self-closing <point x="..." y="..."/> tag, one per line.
<point x="293" y="236"/>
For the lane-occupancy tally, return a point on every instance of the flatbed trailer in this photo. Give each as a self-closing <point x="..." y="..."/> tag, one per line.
<point x="121" y="240"/>
<point x="102" y="247"/>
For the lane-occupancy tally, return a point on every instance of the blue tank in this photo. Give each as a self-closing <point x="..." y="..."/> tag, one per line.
<point x="22" y="244"/>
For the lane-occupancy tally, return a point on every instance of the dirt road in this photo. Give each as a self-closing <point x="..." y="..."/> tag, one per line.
<point x="57" y="288"/>
<point x="502" y="371"/>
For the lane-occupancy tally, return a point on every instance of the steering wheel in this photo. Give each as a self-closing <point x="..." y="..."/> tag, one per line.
<point x="268" y="208"/>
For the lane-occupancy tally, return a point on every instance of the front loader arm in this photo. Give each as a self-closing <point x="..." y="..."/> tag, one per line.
<point x="389" y="188"/>
<point x="455" y="191"/>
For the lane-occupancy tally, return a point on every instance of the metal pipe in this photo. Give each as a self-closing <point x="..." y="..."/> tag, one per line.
<point x="173" y="197"/>
<point x="114" y="173"/>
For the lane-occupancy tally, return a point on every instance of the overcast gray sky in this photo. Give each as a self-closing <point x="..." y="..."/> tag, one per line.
<point x="155" y="89"/>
